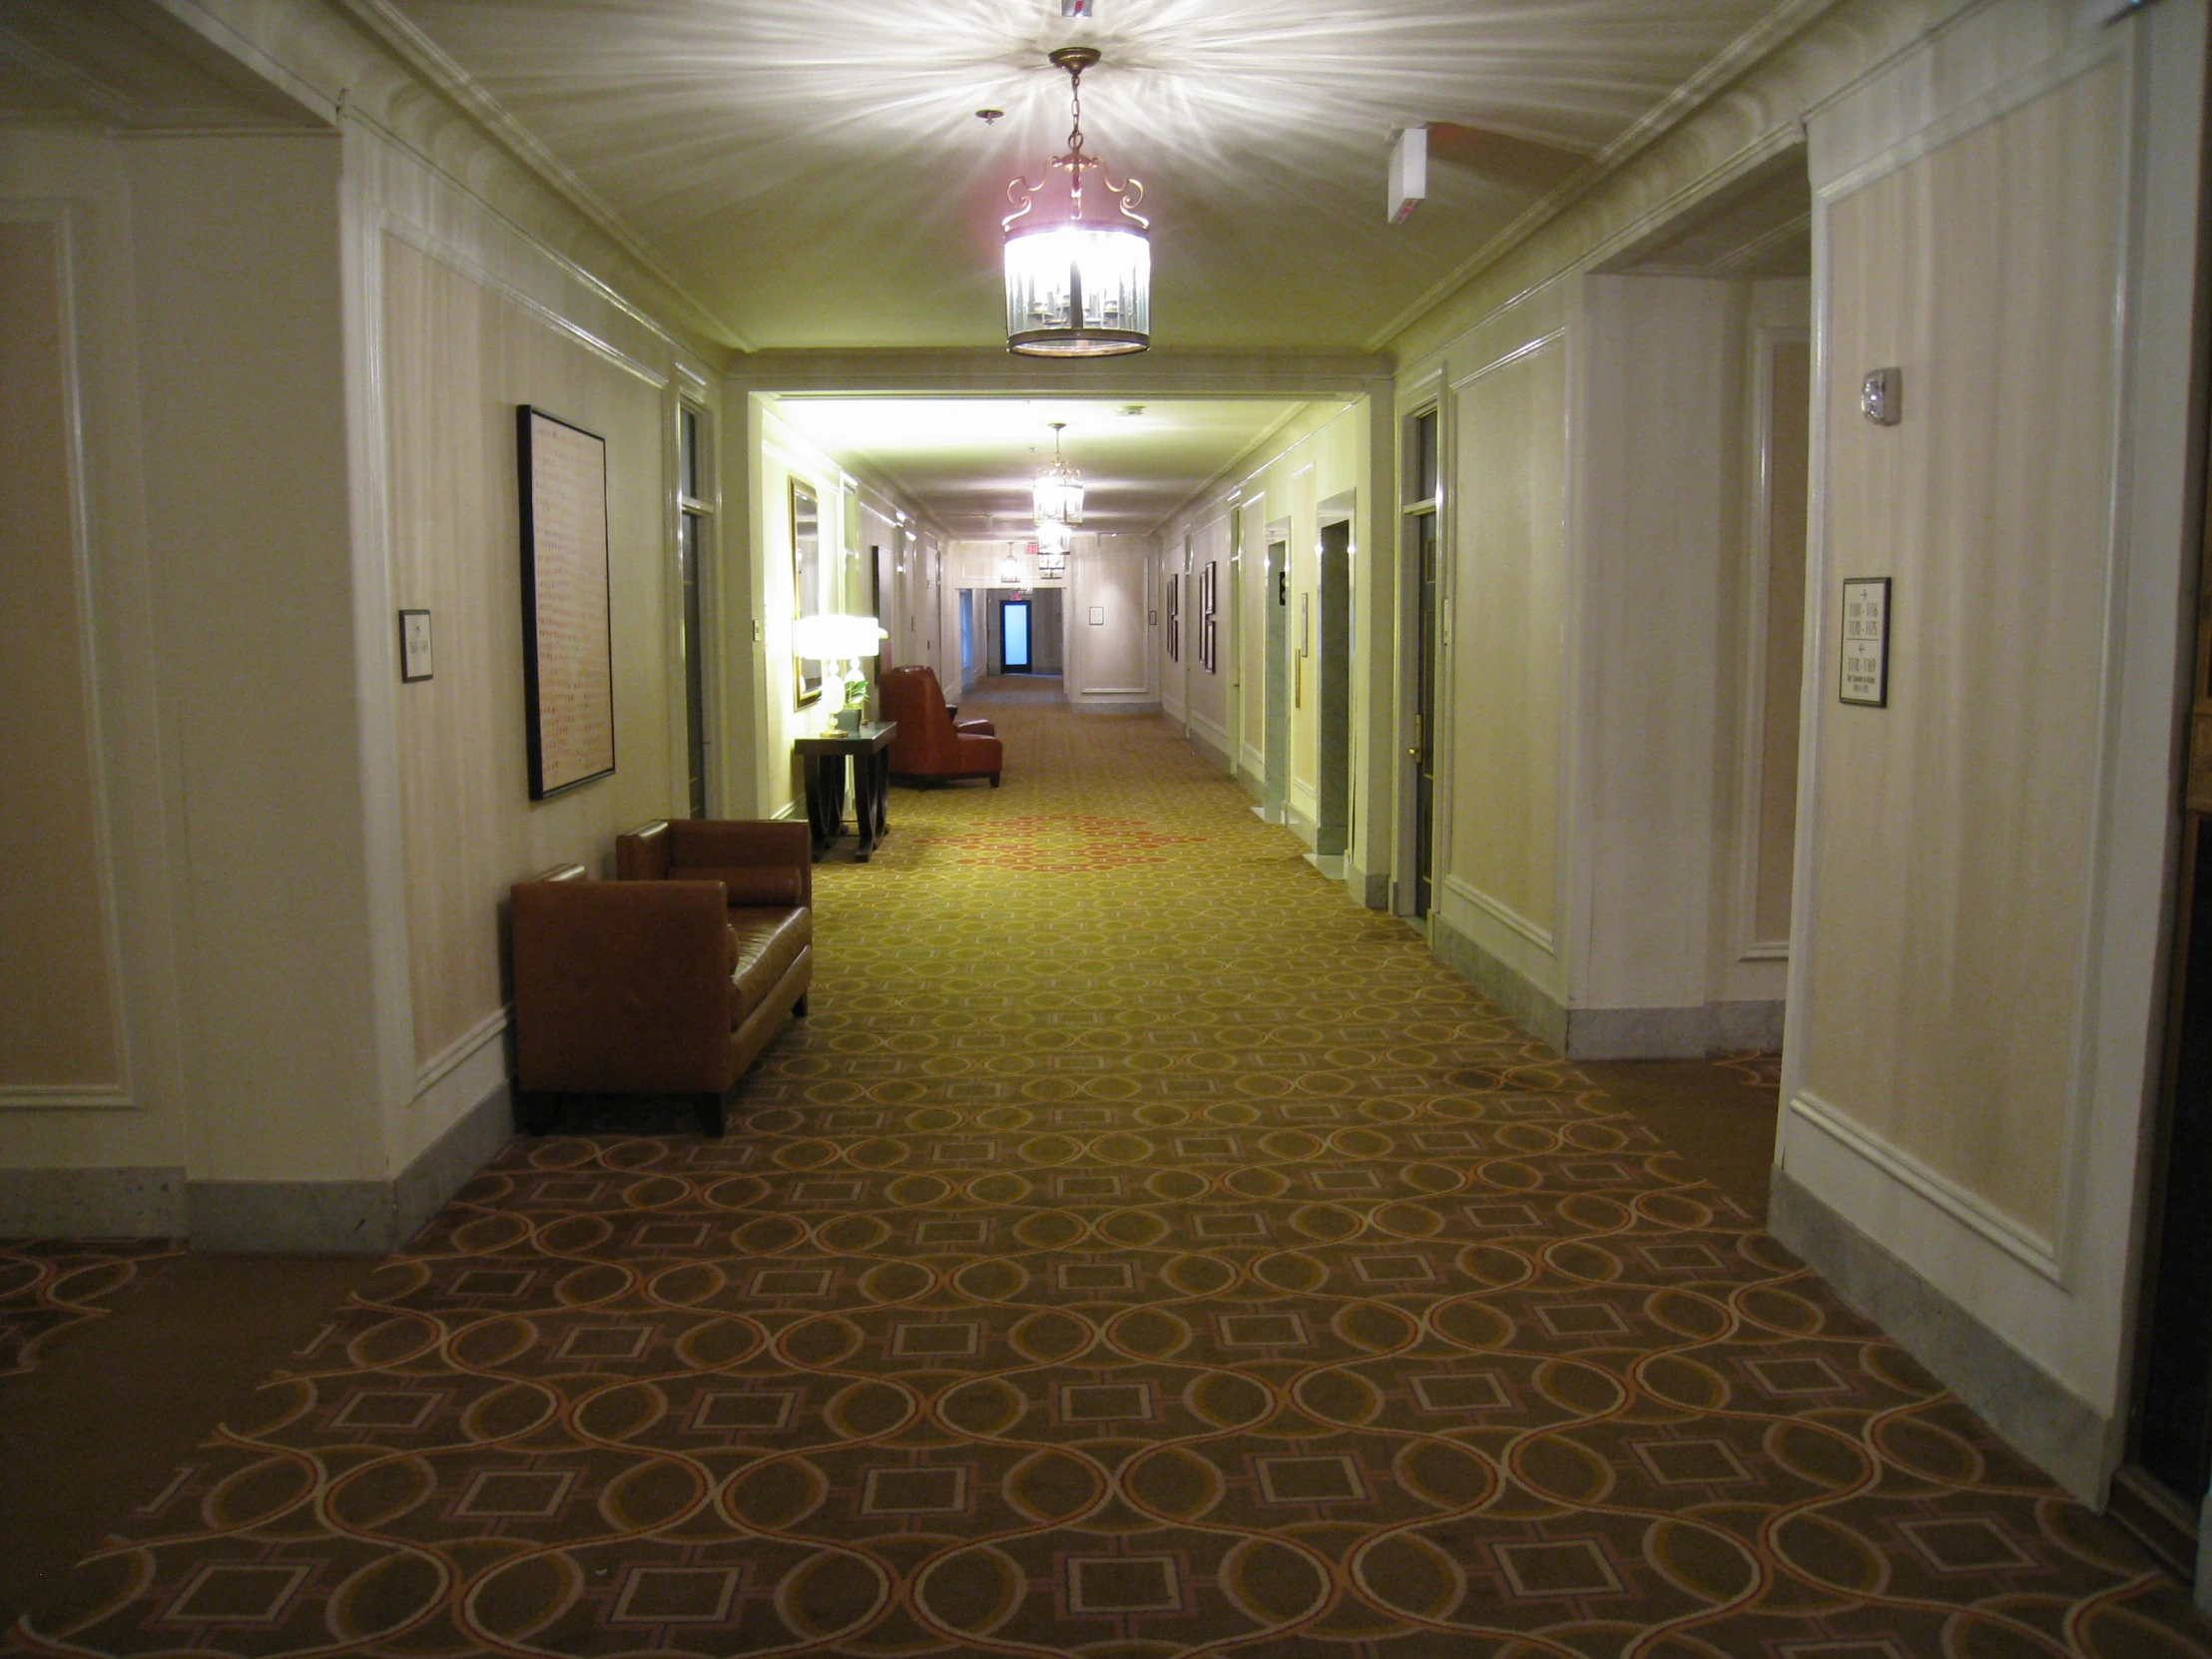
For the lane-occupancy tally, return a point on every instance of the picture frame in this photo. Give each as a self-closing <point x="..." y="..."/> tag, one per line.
<point x="808" y="673"/>
<point x="415" y="647"/>
<point x="1175" y="615"/>
<point x="1207" y="656"/>
<point x="567" y="608"/>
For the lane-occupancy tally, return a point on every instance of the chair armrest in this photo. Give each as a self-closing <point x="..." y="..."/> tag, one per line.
<point x="621" y="985"/>
<point x="724" y="843"/>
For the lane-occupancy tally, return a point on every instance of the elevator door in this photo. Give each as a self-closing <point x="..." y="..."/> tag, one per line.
<point x="1014" y="631"/>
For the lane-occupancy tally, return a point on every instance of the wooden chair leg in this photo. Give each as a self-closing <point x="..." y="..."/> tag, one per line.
<point x="799" y="1008"/>
<point x="995" y="780"/>
<point x="709" y="1116"/>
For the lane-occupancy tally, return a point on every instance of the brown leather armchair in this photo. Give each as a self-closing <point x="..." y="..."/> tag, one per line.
<point x="928" y="744"/>
<point x="651" y="986"/>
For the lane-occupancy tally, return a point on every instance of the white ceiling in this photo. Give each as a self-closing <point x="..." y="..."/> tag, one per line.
<point x="813" y="171"/>
<point x="969" y="461"/>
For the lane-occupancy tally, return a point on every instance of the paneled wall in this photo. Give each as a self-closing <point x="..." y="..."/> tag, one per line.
<point x="1981" y="862"/>
<point x="60" y="1036"/>
<point x="1109" y="641"/>
<point x="1505" y="655"/>
<point x="459" y="358"/>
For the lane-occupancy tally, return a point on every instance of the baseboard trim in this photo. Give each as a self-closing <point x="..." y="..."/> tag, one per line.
<point x="351" y="1216"/>
<point x="131" y="1203"/>
<point x="2070" y="1440"/>
<point x="1672" y="1033"/>
<point x="1111" y="708"/>
<point x="1531" y="1007"/>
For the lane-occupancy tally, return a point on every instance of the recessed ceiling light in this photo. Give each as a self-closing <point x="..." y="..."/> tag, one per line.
<point x="1132" y="409"/>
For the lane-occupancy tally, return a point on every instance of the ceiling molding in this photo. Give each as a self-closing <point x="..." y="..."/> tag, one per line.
<point x="437" y="68"/>
<point x="925" y="371"/>
<point x="1755" y="43"/>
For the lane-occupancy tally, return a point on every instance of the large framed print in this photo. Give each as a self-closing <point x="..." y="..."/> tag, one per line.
<point x="1175" y="616"/>
<point x="807" y="672"/>
<point x="568" y="670"/>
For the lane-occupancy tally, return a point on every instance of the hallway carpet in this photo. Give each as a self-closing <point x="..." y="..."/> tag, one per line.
<point x="1142" y="1251"/>
<point x="48" y="1286"/>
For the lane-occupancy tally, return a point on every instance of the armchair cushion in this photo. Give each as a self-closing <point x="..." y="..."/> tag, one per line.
<point x="765" y="945"/>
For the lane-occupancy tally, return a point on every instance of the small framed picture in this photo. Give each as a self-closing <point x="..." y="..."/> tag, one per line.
<point x="1098" y="616"/>
<point x="414" y="646"/>
<point x="1862" y="676"/>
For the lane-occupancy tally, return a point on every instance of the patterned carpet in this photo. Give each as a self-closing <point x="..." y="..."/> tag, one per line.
<point x="50" y="1285"/>
<point x="1142" y="1251"/>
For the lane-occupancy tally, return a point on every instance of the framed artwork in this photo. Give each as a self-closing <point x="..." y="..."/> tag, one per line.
<point x="807" y="672"/>
<point x="1175" y="616"/>
<point x="568" y="670"/>
<point x="1209" y="654"/>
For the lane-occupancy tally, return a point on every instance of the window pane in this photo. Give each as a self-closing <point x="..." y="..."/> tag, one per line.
<point x="1425" y="456"/>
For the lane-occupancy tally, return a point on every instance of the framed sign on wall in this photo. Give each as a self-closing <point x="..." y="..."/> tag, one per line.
<point x="1864" y="676"/>
<point x="566" y="617"/>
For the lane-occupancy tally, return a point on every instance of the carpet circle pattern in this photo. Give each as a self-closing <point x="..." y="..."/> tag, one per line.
<point x="1142" y="1252"/>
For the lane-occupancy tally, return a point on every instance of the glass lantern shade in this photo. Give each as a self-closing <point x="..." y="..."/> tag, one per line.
<point x="1052" y="538"/>
<point x="1059" y="499"/>
<point x="1076" y="289"/>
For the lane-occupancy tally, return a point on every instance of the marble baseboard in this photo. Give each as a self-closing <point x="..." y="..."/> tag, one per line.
<point x="2074" y="1442"/>
<point x="1527" y="1005"/>
<point x="1199" y="739"/>
<point x="1609" y="1033"/>
<point x="1672" y="1033"/>
<point x="1370" y="888"/>
<point x="132" y="1202"/>
<point x="363" y="1217"/>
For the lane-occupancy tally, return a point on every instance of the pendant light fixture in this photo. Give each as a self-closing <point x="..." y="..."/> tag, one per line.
<point x="1059" y="490"/>
<point x="1078" y="284"/>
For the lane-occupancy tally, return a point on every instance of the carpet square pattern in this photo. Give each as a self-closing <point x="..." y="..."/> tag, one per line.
<point x="1142" y="1252"/>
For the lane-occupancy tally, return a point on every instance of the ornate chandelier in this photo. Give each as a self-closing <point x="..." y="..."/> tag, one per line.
<point x="1059" y="490"/>
<point x="1077" y="285"/>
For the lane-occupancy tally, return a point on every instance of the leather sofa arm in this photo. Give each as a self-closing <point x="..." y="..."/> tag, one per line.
<point x="622" y="985"/>
<point x="643" y="854"/>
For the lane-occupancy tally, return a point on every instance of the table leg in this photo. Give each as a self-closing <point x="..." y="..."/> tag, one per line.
<point x="832" y="772"/>
<point x="809" y="766"/>
<point x="824" y="799"/>
<point x="881" y="763"/>
<point x="867" y="808"/>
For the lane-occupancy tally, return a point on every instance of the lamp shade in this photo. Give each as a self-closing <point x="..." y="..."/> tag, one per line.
<point x="832" y="637"/>
<point x="1078" y="289"/>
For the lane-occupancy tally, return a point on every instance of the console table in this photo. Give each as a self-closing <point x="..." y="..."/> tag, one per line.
<point x="824" y="756"/>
